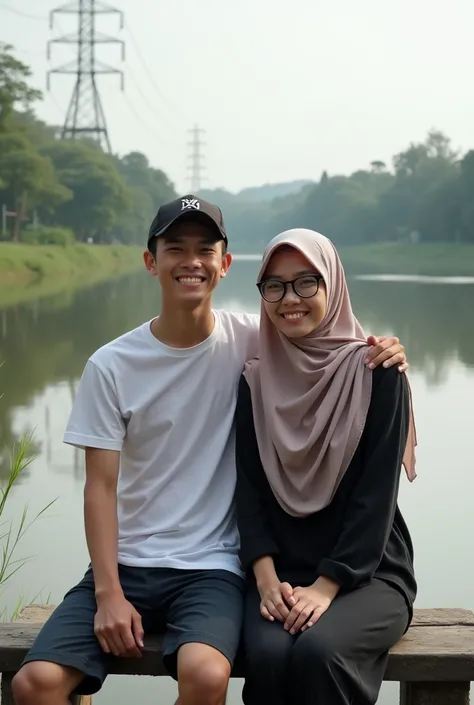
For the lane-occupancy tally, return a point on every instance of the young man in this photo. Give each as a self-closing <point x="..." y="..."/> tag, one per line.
<point x="154" y="412"/>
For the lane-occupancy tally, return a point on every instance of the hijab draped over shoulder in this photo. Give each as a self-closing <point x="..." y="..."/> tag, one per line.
<point x="311" y="395"/>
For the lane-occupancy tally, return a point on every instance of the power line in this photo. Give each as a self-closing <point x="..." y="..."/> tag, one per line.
<point x="55" y="101"/>
<point x="196" y="157"/>
<point x="25" y="15"/>
<point x="146" y="100"/>
<point x="85" y="114"/>
<point x="142" y="121"/>
<point x="142" y="93"/>
<point x="29" y="52"/>
<point x="150" y="75"/>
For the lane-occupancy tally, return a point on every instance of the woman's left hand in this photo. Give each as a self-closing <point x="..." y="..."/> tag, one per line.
<point x="311" y="603"/>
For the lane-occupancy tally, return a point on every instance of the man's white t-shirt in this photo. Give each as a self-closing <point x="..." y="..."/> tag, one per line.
<point x="170" y="412"/>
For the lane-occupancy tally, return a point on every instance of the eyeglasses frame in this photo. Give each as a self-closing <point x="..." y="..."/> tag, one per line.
<point x="286" y="284"/>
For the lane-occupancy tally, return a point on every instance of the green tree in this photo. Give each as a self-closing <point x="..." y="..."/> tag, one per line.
<point x="149" y="188"/>
<point x="464" y="193"/>
<point x="342" y="208"/>
<point x="133" y="226"/>
<point x="38" y="132"/>
<point x="100" y="196"/>
<point x="378" y="166"/>
<point x="138" y="173"/>
<point x="421" y="172"/>
<point x="28" y="179"/>
<point x="14" y="88"/>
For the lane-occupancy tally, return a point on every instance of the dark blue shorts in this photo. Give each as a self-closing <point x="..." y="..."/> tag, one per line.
<point x="204" y="606"/>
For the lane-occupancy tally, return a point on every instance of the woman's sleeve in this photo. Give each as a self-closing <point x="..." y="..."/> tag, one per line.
<point x="371" y="508"/>
<point x="256" y="538"/>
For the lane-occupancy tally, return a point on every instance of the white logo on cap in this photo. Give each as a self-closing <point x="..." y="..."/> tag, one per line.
<point x="190" y="203"/>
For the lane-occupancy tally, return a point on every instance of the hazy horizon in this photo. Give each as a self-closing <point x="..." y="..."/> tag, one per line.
<point x="284" y="91"/>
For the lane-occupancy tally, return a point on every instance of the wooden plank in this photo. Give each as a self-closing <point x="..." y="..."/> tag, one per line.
<point x="436" y="640"/>
<point x="434" y="693"/>
<point x="434" y="661"/>
<point x="433" y="654"/>
<point x="36" y="614"/>
<point x="426" y="617"/>
<point x="442" y="617"/>
<point x="423" y="654"/>
<point x="81" y="700"/>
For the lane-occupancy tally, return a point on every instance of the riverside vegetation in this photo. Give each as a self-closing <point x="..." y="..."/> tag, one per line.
<point x="13" y="464"/>
<point x="25" y="263"/>
<point x="33" y="272"/>
<point x="413" y="216"/>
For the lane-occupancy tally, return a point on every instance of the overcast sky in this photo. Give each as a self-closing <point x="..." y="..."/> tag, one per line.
<point x="283" y="89"/>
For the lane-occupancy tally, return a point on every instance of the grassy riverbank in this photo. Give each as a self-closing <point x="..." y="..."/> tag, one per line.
<point x="25" y="263"/>
<point x="28" y="271"/>
<point x="394" y="258"/>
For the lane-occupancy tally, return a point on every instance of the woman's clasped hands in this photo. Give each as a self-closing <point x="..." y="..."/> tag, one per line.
<point x="297" y="608"/>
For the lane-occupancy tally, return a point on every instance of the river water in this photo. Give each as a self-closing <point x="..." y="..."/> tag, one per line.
<point x="46" y="342"/>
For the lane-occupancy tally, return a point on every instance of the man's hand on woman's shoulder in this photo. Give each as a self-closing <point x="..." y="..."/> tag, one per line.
<point x="386" y="350"/>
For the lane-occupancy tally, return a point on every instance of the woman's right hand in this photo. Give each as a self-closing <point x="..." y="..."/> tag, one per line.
<point x="276" y="600"/>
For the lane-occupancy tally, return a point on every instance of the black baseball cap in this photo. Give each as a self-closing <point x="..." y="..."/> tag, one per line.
<point x="187" y="208"/>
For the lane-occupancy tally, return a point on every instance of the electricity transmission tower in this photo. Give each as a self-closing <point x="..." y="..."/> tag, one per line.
<point x="196" y="157"/>
<point x="85" y="115"/>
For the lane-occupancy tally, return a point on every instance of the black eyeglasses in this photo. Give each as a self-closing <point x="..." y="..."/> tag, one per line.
<point x="273" y="290"/>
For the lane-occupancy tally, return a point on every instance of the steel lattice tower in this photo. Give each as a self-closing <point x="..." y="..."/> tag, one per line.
<point x="85" y="115"/>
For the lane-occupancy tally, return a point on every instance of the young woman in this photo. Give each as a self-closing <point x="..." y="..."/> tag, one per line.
<point x="320" y="444"/>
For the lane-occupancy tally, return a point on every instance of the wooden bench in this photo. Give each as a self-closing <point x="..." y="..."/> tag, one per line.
<point x="433" y="662"/>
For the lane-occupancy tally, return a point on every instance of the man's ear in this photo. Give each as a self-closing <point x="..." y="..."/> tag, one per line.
<point x="226" y="262"/>
<point x="150" y="263"/>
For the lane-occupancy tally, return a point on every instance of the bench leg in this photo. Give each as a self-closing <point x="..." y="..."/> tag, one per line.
<point x="432" y="693"/>
<point x="6" y="689"/>
<point x="7" y="695"/>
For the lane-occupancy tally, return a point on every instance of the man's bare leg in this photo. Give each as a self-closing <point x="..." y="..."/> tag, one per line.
<point x="203" y="675"/>
<point x="44" y="683"/>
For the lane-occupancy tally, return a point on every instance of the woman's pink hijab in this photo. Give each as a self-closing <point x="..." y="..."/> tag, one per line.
<point x="311" y="395"/>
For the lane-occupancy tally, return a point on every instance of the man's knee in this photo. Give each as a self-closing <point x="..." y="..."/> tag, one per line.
<point x="203" y="671"/>
<point x="38" y="680"/>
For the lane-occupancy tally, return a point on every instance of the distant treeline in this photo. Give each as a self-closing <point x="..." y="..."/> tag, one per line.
<point x="74" y="190"/>
<point x="426" y="196"/>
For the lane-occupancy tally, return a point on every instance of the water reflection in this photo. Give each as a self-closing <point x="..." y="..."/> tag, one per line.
<point x="44" y="344"/>
<point x="431" y="317"/>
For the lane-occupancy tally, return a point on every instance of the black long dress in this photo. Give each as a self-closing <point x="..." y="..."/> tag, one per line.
<point x="360" y="540"/>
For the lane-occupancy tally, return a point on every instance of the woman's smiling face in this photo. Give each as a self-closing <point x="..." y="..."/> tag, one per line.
<point x="294" y="315"/>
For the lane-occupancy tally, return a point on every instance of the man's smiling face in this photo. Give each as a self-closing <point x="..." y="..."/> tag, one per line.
<point x="190" y="261"/>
